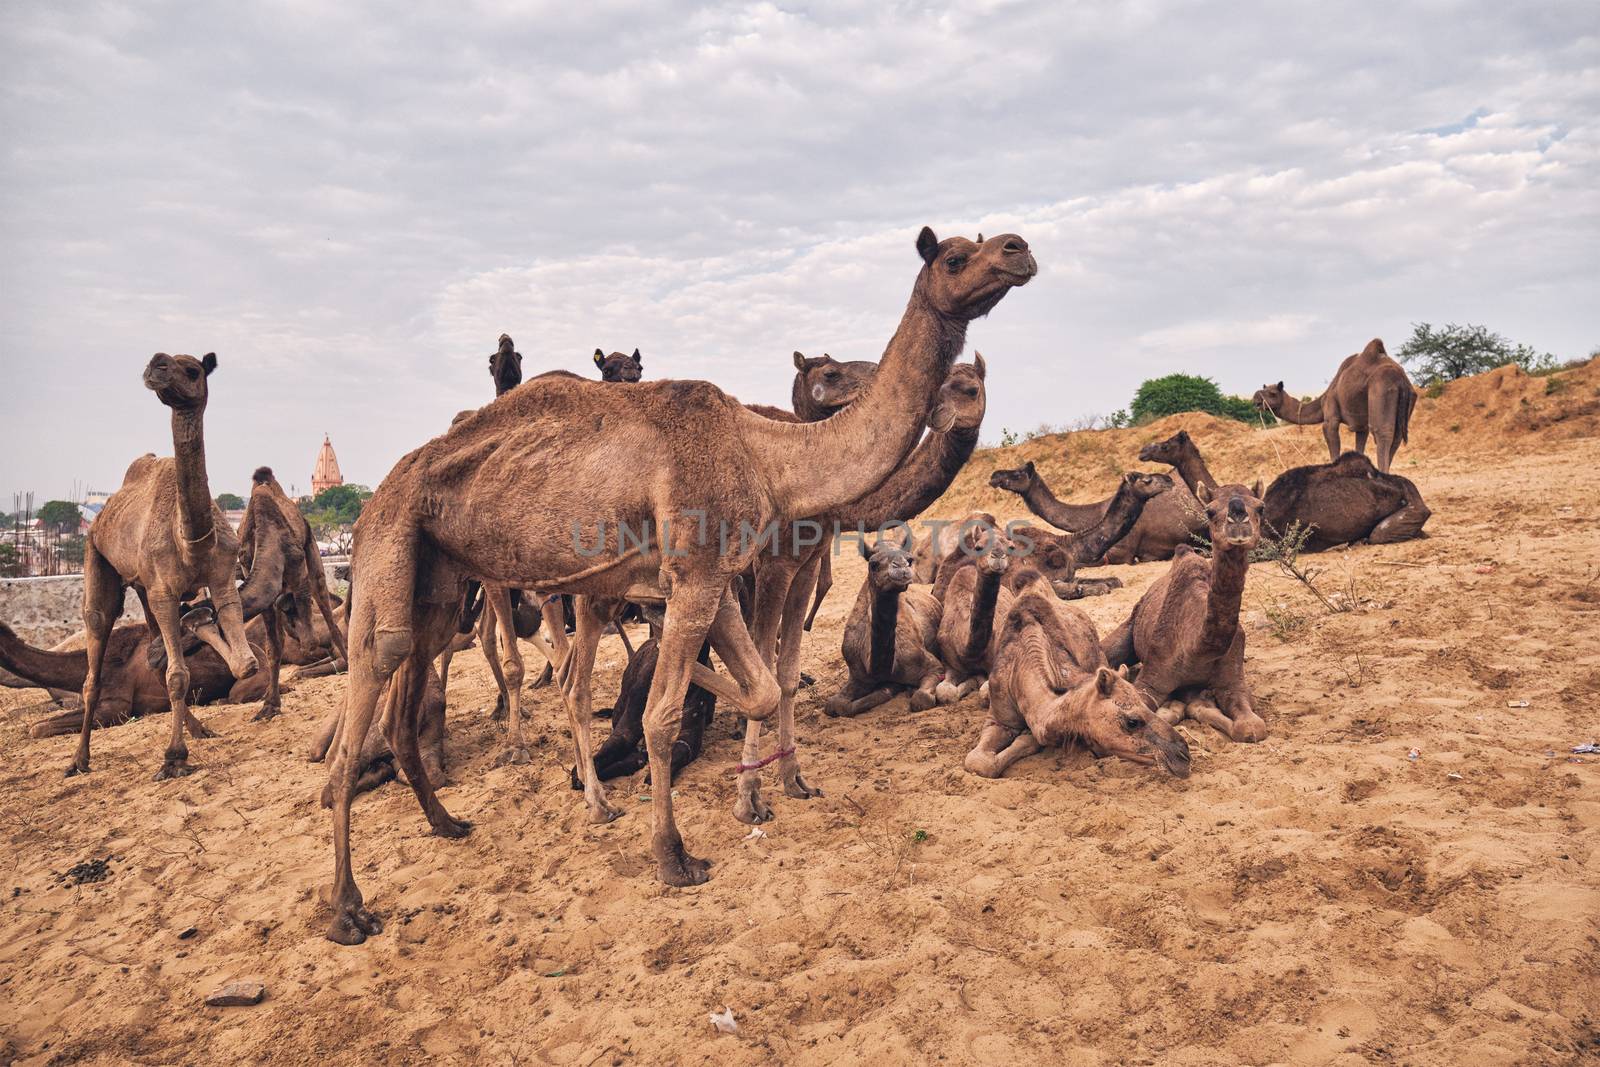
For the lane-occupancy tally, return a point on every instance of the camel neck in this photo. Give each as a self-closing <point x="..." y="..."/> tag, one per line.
<point x="1194" y="472"/>
<point x="1071" y="518"/>
<point x="194" y="488"/>
<point x="1229" y="567"/>
<point x="916" y="483"/>
<point x="1301" y="412"/>
<point x="813" y="468"/>
<point x="980" y="629"/>
<point x="1120" y="515"/>
<point x="885" y="624"/>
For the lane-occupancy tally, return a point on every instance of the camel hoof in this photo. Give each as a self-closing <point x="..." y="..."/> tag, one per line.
<point x="799" y="789"/>
<point x="246" y="669"/>
<point x="266" y="714"/>
<point x="76" y="768"/>
<point x="452" y="828"/>
<point x="943" y="693"/>
<point x="201" y="731"/>
<point x="499" y="713"/>
<point x="683" y="870"/>
<point x="603" y="813"/>
<point x="922" y="700"/>
<point x="806" y="681"/>
<point x="174" y="769"/>
<point x="353" y="925"/>
<point x="1249" y="729"/>
<point x="981" y="764"/>
<point x="751" y="809"/>
<point x="514" y="754"/>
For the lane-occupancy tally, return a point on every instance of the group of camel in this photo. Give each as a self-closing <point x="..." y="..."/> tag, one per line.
<point x="483" y="529"/>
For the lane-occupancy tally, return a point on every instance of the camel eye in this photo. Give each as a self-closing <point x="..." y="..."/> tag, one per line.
<point x="955" y="263"/>
<point x="1132" y="724"/>
<point x="192" y="373"/>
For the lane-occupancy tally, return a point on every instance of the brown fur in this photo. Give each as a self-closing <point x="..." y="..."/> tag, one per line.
<point x="1370" y="393"/>
<point x="1184" y="633"/>
<point x="974" y="597"/>
<point x="1164" y="520"/>
<point x="162" y="534"/>
<point x="1345" y="502"/>
<point x="1051" y="684"/>
<point x="889" y="637"/>
<point x="460" y="505"/>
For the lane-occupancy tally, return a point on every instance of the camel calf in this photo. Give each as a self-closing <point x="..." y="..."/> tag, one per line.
<point x="1051" y="684"/>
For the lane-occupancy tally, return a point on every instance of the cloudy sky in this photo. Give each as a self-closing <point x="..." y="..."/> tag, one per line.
<point x="349" y="202"/>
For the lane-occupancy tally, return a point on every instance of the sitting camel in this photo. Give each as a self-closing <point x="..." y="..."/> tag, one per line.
<point x="1166" y="519"/>
<point x="889" y="636"/>
<point x="162" y="533"/>
<point x="619" y="368"/>
<point x="1051" y="684"/>
<point x="1345" y="502"/>
<point x="1184" y="633"/>
<point x="463" y="505"/>
<point x="973" y="597"/>
<point x="1369" y="393"/>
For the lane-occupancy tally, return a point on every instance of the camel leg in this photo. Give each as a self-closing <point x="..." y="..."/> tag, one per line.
<point x="576" y="674"/>
<point x="273" y="703"/>
<point x="1243" y="724"/>
<point x="1202" y="708"/>
<point x="692" y="610"/>
<point x="997" y="749"/>
<point x="1403" y="525"/>
<point x="824" y="583"/>
<point x="114" y="709"/>
<point x="511" y="671"/>
<point x="175" y="762"/>
<point x="489" y="630"/>
<point x="444" y="669"/>
<point x="102" y="605"/>
<point x="1361" y="441"/>
<point x="810" y="578"/>
<point x="1173" y="711"/>
<point x="782" y="588"/>
<point x="404" y="726"/>
<point x="1330" y="434"/>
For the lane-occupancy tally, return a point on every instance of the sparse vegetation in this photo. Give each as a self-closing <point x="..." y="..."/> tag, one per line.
<point x="1443" y="355"/>
<point x="1284" y="550"/>
<point x="1284" y="621"/>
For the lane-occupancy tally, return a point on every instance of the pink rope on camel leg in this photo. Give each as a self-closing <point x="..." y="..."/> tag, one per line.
<point x="756" y="766"/>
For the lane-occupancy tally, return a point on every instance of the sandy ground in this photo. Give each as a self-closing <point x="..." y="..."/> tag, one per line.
<point x="1317" y="898"/>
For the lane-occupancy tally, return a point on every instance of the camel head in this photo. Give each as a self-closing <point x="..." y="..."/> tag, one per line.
<point x="990" y="549"/>
<point x="965" y="279"/>
<point x="1233" y="514"/>
<point x="961" y="401"/>
<point x="1269" y="398"/>
<point x="505" y="366"/>
<point x="1114" y="720"/>
<point x="1018" y="480"/>
<point x="1145" y="486"/>
<point x="180" y="381"/>
<point x="889" y="566"/>
<point x="619" y="368"/>
<point x="1172" y="451"/>
<point x="828" y="383"/>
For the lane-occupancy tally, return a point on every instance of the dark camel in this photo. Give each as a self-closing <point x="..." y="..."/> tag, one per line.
<point x="162" y="534"/>
<point x="1184" y="633"/>
<point x="1051" y="684"/>
<point x="1369" y="393"/>
<point x="890" y="637"/>
<point x="460" y="506"/>
<point x="619" y="368"/>
<point x="1166" y="521"/>
<point x="1345" y="502"/>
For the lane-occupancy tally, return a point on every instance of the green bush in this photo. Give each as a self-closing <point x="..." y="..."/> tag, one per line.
<point x="1159" y="397"/>
<point x="1443" y="355"/>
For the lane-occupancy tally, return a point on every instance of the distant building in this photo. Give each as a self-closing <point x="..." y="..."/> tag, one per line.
<point x="326" y="474"/>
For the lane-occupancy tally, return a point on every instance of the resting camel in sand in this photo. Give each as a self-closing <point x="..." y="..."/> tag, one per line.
<point x="890" y="637"/>
<point x="162" y="534"/>
<point x="973" y="597"/>
<point x="502" y="493"/>
<point x="1369" y="393"/>
<point x="784" y="576"/>
<point x="619" y="368"/>
<point x="1051" y="684"/>
<point x="1345" y="502"/>
<point x="1184" y="633"/>
<point x="1166" y="520"/>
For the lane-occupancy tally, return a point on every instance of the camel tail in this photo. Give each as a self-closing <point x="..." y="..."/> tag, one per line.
<point x="1402" y="414"/>
<point x="48" y="670"/>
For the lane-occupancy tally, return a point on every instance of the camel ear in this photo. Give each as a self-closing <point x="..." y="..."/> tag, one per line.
<point x="209" y="362"/>
<point x="637" y="358"/>
<point x="980" y="366"/>
<point x="1202" y="493"/>
<point x="799" y="361"/>
<point x="599" y="358"/>
<point x="1105" y="681"/>
<point x="1122" y="671"/>
<point x="1028" y="466"/>
<point x="927" y="244"/>
<point x="1280" y="387"/>
<point x="1255" y="490"/>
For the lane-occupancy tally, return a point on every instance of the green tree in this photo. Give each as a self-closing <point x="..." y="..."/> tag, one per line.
<point x="61" y="515"/>
<point x="1173" y="393"/>
<point x="70" y="550"/>
<point x="1443" y="355"/>
<point x="338" y="505"/>
<point x="230" y="502"/>
<point x="10" y="562"/>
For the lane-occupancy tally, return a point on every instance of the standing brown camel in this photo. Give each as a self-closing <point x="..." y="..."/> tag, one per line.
<point x="1369" y="393"/>
<point x="619" y="368"/>
<point x="1184" y="632"/>
<point x="162" y="534"/>
<point x="1051" y="684"/>
<point x="703" y="467"/>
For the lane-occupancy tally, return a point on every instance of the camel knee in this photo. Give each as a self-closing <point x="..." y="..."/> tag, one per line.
<point x="177" y="683"/>
<point x="390" y="648"/>
<point x="765" y="696"/>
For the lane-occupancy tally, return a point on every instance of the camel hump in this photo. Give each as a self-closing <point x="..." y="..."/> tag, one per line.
<point x="262" y="475"/>
<point x="141" y="468"/>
